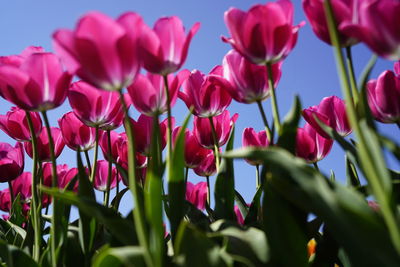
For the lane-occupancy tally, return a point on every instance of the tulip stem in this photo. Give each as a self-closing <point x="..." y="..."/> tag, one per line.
<point x="138" y="212"/>
<point x="316" y="166"/>
<point x="96" y="153"/>
<point x="216" y="146"/>
<point x="368" y="164"/>
<point x="186" y="176"/>
<point x="107" y="196"/>
<point x="88" y="161"/>
<point x="208" y="191"/>
<point x="12" y="199"/>
<point x="350" y="66"/>
<point x="264" y="118"/>
<point x="169" y="141"/>
<point x="275" y="110"/>
<point x="257" y="177"/>
<point x="55" y="218"/>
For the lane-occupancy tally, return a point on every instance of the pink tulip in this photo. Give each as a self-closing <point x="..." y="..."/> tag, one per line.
<point x="310" y="145"/>
<point x="22" y="187"/>
<point x="62" y="169"/>
<point x="96" y="108"/>
<point x="116" y="141"/>
<point x="148" y="92"/>
<point x="15" y="124"/>
<point x="101" y="176"/>
<point x="65" y="178"/>
<point x="5" y="200"/>
<point x="223" y="125"/>
<point x="345" y="11"/>
<point x="11" y="161"/>
<point x="251" y="138"/>
<point x="102" y="51"/>
<point x="330" y="111"/>
<point x="17" y="60"/>
<point x="197" y="194"/>
<point x="249" y="81"/>
<point x="143" y="128"/>
<point x="35" y="82"/>
<point x="378" y="27"/>
<point x="43" y="144"/>
<point x="75" y="133"/>
<point x="207" y="94"/>
<point x="239" y="216"/>
<point x="384" y="97"/>
<point x="397" y="68"/>
<point x="164" y="49"/>
<point x="207" y="166"/>
<point x="122" y="149"/>
<point x="263" y="34"/>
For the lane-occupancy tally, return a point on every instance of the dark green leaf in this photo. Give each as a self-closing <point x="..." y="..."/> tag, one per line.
<point x="287" y="136"/>
<point x="119" y="257"/>
<point x="15" y="257"/>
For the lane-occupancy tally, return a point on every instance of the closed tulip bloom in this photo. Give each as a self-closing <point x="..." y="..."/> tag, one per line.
<point x="310" y="145"/>
<point x="65" y="178"/>
<point x="207" y="166"/>
<point x="5" y="200"/>
<point x="75" y="133"/>
<point x="249" y="81"/>
<point x="62" y="169"/>
<point x="265" y="33"/>
<point x="207" y="94"/>
<point x="15" y="124"/>
<point x="344" y="11"/>
<point x="194" y="152"/>
<point x="378" y="27"/>
<point x="148" y="92"/>
<point x="330" y="111"/>
<point x="11" y="161"/>
<point x="164" y="48"/>
<point x="197" y="194"/>
<point x="22" y="187"/>
<point x="102" y="51"/>
<point x="383" y="96"/>
<point x="43" y="144"/>
<point x="223" y="125"/>
<point x="37" y="84"/>
<point x="101" y="176"/>
<point x="116" y="141"/>
<point x="251" y="138"/>
<point x="96" y="108"/>
<point x="122" y="150"/>
<point x="239" y="216"/>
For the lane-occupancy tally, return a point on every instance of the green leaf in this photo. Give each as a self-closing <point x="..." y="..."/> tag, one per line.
<point x="73" y="254"/>
<point x="244" y="209"/>
<point x="119" y="257"/>
<point x="12" y="233"/>
<point x="117" y="199"/>
<point x="254" y="216"/>
<point x="287" y="138"/>
<point x="17" y="217"/>
<point x="352" y="175"/>
<point x="15" y="257"/>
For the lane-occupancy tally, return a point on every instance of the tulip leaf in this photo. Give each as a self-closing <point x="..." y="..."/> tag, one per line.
<point x="119" y="257"/>
<point x="326" y="251"/>
<point x="15" y="257"/>
<point x="117" y="199"/>
<point x="73" y="255"/>
<point x="287" y="138"/>
<point x="352" y="175"/>
<point x="12" y="233"/>
<point x="253" y="216"/>
<point x="367" y="72"/>
<point x="244" y="209"/>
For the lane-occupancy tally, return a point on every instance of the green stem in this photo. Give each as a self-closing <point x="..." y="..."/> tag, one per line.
<point x="96" y="153"/>
<point x="366" y="158"/>
<point x="275" y="110"/>
<point x="138" y="212"/>
<point x="350" y="67"/>
<point x="55" y="218"/>
<point x="264" y="118"/>
<point x="88" y="160"/>
<point x="107" y="194"/>
<point x="257" y="177"/>
<point x="169" y="136"/>
<point x="208" y="191"/>
<point x="316" y="166"/>
<point x="215" y="140"/>
<point x="186" y="175"/>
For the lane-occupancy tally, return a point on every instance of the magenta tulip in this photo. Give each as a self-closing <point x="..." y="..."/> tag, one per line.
<point x="207" y="166"/>
<point x="65" y="178"/>
<point x="96" y="108"/>
<point x="15" y="124"/>
<point x="116" y="141"/>
<point x="197" y="194"/>
<point x="102" y="51"/>
<point x="43" y="144"/>
<point x="330" y="111"/>
<point x="75" y="133"/>
<point x="38" y="83"/>
<point x="249" y="81"/>
<point x="239" y="216"/>
<point x="384" y="97"/>
<point x="251" y="138"/>
<point x="207" y="94"/>
<point x="148" y="92"/>
<point x="164" y="49"/>
<point x="22" y="187"/>
<point x="310" y="145"/>
<point x="344" y="11"/>
<point x="101" y="176"/>
<point x="265" y="33"/>
<point x="378" y="27"/>
<point x="11" y="161"/>
<point x="122" y="150"/>
<point x="5" y="200"/>
<point x="62" y="169"/>
<point x="223" y="125"/>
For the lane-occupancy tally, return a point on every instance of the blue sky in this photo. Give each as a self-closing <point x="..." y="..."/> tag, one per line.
<point x="309" y="70"/>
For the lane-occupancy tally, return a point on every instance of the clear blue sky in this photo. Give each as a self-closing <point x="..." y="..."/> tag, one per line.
<point x="308" y="71"/>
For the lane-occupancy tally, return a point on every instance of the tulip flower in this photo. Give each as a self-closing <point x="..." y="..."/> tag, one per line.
<point x="148" y="92"/>
<point x="223" y="125"/>
<point x="249" y="81"/>
<point x="36" y="82"/>
<point x="101" y="176"/>
<point x="207" y="166"/>
<point x="197" y="194"/>
<point x="22" y="187"/>
<point x="102" y="51"/>
<point x="43" y="144"/>
<point x="116" y="141"/>
<point x="344" y="11"/>
<point x="251" y="138"/>
<point x="164" y="48"/>
<point x="377" y="27"/>
<point x="75" y="133"/>
<point x="239" y="216"/>
<point x="65" y="178"/>
<point x="96" y="108"/>
<point x="383" y="96"/>
<point x="15" y="124"/>
<point x="330" y="111"/>
<point x="207" y="94"/>
<point x="265" y="33"/>
<point x="310" y="145"/>
<point x="62" y="169"/>
<point x="122" y="157"/>
<point x="11" y="161"/>
<point x="194" y="152"/>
